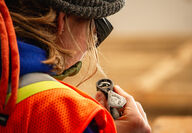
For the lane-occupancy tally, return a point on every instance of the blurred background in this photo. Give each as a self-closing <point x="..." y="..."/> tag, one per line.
<point x="149" y="54"/>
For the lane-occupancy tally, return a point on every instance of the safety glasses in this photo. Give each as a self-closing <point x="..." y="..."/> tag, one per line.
<point x="103" y="29"/>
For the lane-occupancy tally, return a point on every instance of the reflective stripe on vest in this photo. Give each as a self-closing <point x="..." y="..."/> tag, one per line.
<point x="35" y="88"/>
<point x="63" y="109"/>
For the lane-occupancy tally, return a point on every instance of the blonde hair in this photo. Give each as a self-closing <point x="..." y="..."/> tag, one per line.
<point x="92" y="53"/>
<point x="42" y="27"/>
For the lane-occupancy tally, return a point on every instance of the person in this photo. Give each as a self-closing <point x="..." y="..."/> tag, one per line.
<point x="51" y="39"/>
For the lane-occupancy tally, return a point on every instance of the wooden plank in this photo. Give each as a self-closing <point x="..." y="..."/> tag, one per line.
<point x="166" y="68"/>
<point x="164" y="102"/>
<point x="172" y="124"/>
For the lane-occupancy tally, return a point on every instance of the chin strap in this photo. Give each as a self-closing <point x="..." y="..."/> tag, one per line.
<point x="8" y="44"/>
<point x="73" y="70"/>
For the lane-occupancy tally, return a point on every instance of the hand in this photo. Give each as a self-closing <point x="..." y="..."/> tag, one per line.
<point x="134" y="119"/>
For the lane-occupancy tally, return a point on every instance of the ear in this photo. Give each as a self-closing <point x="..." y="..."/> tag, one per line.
<point x="60" y="22"/>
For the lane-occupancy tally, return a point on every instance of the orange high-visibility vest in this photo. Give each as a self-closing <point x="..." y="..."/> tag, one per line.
<point x="46" y="106"/>
<point x="55" y="107"/>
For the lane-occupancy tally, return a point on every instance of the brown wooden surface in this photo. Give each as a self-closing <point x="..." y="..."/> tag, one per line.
<point x="156" y="71"/>
<point x="172" y="124"/>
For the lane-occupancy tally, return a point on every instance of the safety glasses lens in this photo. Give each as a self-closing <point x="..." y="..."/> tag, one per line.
<point x="103" y="29"/>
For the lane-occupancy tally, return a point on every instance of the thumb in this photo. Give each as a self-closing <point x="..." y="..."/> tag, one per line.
<point x="100" y="97"/>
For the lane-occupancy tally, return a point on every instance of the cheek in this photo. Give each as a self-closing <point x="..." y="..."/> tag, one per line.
<point x="79" y="32"/>
<point x="81" y="36"/>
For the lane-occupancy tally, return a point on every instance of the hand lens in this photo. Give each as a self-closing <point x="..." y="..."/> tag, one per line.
<point x="115" y="101"/>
